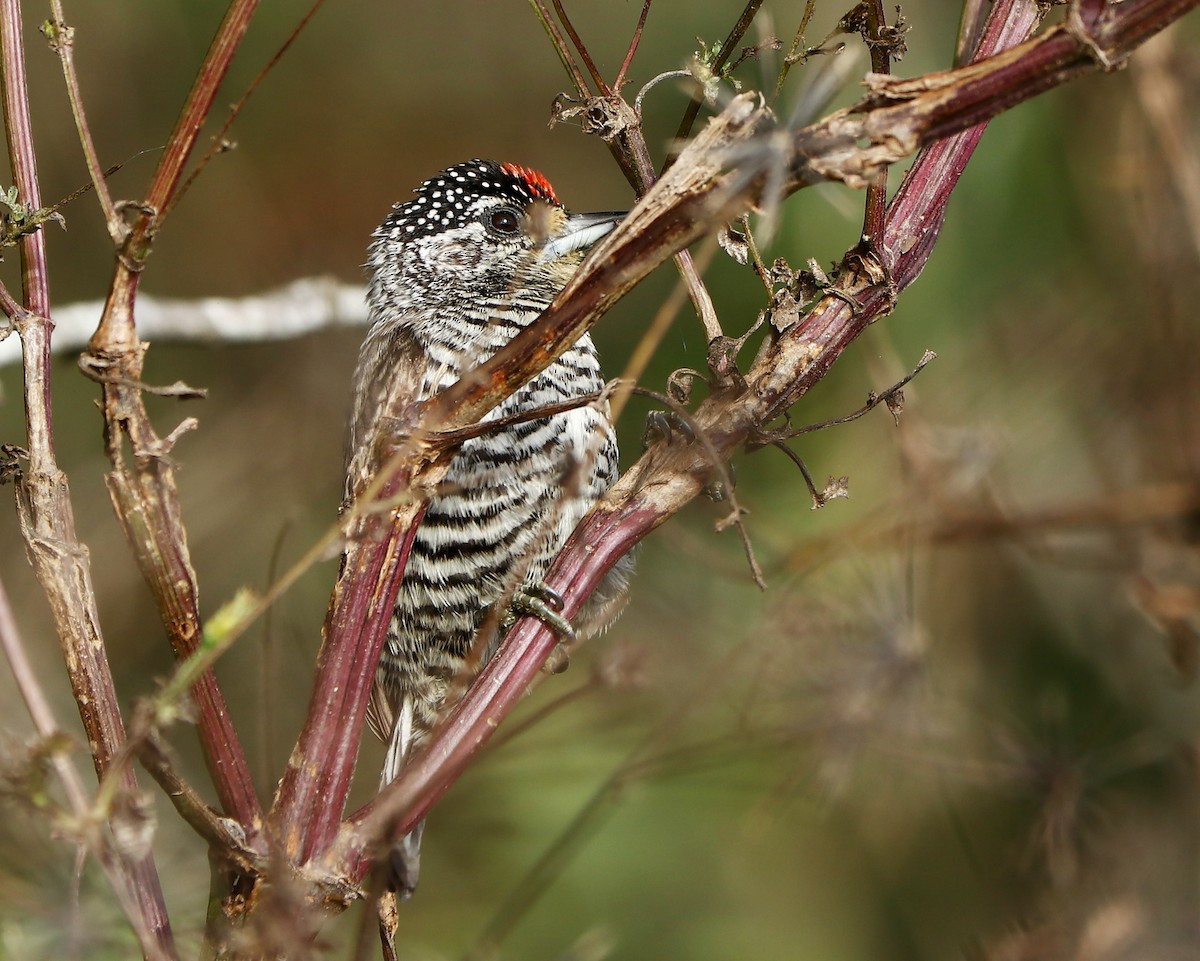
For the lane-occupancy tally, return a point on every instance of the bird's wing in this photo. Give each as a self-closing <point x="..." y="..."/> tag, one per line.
<point x="387" y="382"/>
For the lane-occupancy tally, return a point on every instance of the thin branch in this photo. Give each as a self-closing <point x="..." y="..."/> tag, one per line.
<point x="795" y="54"/>
<point x="219" y="142"/>
<point x="226" y="838"/>
<point x="633" y="45"/>
<point x="818" y="498"/>
<point x="749" y="12"/>
<point x="560" y="47"/>
<point x="891" y="397"/>
<point x="597" y="76"/>
<point x="62" y="41"/>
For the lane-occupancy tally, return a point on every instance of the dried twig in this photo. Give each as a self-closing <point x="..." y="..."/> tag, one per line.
<point x="62" y="40"/>
<point x="144" y="492"/>
<point x="669" y="475"/>
<point x="44" y="506"/>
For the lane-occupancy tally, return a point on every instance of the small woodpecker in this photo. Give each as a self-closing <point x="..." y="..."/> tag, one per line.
<point x="455" y="274"/>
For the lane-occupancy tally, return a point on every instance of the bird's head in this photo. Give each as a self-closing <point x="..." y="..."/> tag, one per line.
<point x="480" y="233"/>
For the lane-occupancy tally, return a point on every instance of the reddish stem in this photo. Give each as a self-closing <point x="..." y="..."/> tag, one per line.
<point x="660" y="484"/>
<point x="633" y="45"/>
<point x="312" y="794"/>
<point x="45" y="509"/>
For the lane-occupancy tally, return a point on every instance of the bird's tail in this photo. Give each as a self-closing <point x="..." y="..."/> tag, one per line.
<point x="404" y="861"/>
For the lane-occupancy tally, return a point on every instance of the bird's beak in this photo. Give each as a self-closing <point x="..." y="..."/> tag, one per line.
<point x="580" y="232"/>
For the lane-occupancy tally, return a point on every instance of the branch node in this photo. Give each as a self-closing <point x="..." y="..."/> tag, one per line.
<point x="1080" y="27"/>
<point x="604" y="117"/>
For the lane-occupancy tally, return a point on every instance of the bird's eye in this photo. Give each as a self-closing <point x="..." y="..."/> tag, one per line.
<point x="504" y="221"/>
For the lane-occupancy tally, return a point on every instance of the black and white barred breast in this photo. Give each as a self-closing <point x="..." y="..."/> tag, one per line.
<point x="508" y="504"/>
<point x="456" y="273"/>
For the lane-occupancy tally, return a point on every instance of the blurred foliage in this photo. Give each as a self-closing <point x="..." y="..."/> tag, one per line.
<point x="963" y="720"/>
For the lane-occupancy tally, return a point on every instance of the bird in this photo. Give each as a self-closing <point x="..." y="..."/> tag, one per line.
<point x="454" y="274"/>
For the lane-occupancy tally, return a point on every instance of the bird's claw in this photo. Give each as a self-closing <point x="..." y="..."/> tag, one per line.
<point x="544" y="603"/>
<point x="718" y="487"/>
<point x="665" y="426"/>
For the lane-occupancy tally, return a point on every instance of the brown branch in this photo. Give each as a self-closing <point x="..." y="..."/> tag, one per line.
<point x="142" y="481"/>
<point x="671" y="475"/>
<point x="560" y="47"/>
<point x="892" y="397"/>
<point x="633" y="45"/>
<point x="218" y="142"/>
<point x="597" y="77"/>
<point x="45" y="511"/>
<point x="749" y="12"/>
<point x="226" y="838"/>
<point x="62" y="40"/>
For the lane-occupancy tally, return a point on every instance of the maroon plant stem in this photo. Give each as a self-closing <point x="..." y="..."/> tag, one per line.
<point x="633" y="45"/>
<point x="881" y="63"/>
<point x="609" y="531"/>
<point x="312" y="793"/>
<point x="44" y="506"/>
<point x="668" y="477"/>
<point x="144" y="494"/>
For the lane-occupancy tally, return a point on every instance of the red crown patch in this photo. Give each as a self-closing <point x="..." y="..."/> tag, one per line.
<point x="536" y="182"/>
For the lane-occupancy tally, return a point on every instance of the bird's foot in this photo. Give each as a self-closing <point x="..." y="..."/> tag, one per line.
<point x="665" y="426"/>
<point x="544" y="603"/>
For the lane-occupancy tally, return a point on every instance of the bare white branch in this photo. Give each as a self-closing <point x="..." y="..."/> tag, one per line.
<point x="303" y="306"/>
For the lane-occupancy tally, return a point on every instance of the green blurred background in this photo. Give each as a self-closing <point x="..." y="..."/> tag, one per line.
<point x="962" y="721"/>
